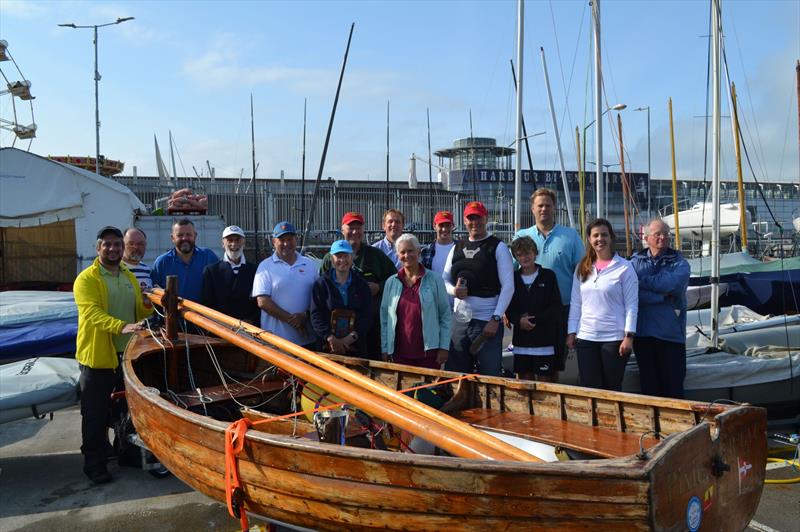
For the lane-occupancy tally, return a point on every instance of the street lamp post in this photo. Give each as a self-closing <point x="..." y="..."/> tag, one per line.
<point x="605" y="180"/>
<point x="649" y="174"/>
<point x="97" y="81"/>
<point x="598" y="177"/>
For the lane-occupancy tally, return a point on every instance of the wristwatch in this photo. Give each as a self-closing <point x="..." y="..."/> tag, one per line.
<point x="495" y="317"/>
<point x="629" y="335"/>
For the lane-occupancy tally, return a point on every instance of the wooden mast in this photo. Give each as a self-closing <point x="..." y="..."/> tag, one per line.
<point x="347" y="384"/>
<point x="626" y="193"/>
<point x="739" y="181"/>
<point x="581" y="178"/>
<point x="677" y="227"/>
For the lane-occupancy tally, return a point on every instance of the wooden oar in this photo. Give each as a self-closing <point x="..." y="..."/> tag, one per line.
<point x="360" y="382"/>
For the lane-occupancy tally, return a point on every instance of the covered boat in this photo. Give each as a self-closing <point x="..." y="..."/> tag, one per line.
<point x="635" y="462"/>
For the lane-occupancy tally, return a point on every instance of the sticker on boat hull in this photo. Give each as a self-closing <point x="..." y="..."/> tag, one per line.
<point x="694" y="514"/>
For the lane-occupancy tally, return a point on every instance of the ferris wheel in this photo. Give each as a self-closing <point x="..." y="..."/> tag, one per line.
<point x="16" y="117"/>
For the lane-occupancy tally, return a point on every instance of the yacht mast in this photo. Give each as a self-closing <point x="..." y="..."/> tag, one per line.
<point x="567" y="197"/>
<point x="715" y="155"/>
<point x="598" y="111"/>
<point x="518" y="159"/>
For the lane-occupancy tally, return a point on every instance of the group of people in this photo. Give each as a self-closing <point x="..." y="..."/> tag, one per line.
<point x="440" y="305"/>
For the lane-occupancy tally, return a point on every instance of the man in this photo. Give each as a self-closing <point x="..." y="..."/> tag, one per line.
<point x="135" y="247"/>
<point x="660" y="343"/>
<point x="560" y="250"/>
<point x="228" y="283"/>
<point x="434" y="255"/>
<point x="184" y="260"/>
<point x="479" y="272"/>
<point x="393" y="223"/>
<point x="373" y="265"/>
<point x="110" y="306"/>
<point x="282" y="288"/>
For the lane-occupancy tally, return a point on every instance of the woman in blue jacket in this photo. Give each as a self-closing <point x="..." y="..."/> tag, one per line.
<point x="415" y="311"/>
<point x="341" y="305"/>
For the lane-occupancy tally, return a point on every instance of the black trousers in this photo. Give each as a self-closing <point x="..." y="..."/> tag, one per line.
<point x="96" y="387"/>
<point x="561" y="338"/>
<point x="662" y="366"/>
<point x="599" y="364"/>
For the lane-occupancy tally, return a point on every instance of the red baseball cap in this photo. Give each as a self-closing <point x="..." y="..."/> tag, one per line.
<point x="475" y="207"/>
<point x="351" y="217"/>
<point x="443" y="217"/>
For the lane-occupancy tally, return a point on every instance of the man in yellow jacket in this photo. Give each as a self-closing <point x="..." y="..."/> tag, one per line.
<point x="110" y="307"/>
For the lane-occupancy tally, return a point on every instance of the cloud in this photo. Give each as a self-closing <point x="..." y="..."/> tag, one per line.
<point x="23" y="9"/>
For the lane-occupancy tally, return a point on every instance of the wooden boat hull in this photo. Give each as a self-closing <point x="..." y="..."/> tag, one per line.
<point x="331" y="487"/>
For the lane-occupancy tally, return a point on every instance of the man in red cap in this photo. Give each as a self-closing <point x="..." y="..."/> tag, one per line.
<point x="479" y="272"/>
<point x="434" y="255"/>
<point x="373" y="265"/>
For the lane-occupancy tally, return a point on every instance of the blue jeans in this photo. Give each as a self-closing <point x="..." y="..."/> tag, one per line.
<point x="487" y="361"/>
<point x="662" y="366"/>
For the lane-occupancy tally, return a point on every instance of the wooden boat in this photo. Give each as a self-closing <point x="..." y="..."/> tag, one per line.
<point x="638" y="463"/>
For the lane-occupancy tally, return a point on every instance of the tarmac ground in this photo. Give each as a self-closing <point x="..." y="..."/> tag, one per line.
<point x="42" y="488"/>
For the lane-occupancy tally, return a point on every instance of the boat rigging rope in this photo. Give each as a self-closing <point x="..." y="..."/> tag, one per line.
<point x="235" y="437"/>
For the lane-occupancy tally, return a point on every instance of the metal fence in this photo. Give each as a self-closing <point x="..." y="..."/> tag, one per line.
<point x="278" y="201"/>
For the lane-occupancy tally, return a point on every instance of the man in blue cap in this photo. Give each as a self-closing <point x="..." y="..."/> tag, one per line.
<point x="282" y="288"/>
<point x="227" y="284"/>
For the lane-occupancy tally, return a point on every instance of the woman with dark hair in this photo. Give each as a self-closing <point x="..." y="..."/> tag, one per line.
<point x="603" y="310"/>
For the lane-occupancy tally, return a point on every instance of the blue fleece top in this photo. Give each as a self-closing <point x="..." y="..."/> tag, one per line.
<point x="662" y="295"/>
<point x="190" y="276"/>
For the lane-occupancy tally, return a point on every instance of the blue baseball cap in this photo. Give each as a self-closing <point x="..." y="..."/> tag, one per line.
<point x="341" y="246"/>
<point x="284" y="228"/>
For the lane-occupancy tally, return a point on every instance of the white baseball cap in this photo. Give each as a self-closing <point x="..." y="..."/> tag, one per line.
<point x="233" y="230"/>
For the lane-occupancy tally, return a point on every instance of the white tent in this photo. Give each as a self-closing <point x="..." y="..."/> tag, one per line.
<point x="36" y="192"/>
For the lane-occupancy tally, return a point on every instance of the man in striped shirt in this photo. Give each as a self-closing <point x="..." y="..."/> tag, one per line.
<point x="135" y="247"/>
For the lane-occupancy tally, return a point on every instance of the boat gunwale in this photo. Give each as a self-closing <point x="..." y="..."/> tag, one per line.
<point x="611" y="467"/>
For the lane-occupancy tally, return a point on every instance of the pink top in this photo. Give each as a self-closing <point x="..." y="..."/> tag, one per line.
<point x="601" y="265"/>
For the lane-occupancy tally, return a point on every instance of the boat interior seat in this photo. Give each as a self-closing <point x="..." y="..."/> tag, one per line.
<point x="242" y="392"/>
<point x="596" y="441"/>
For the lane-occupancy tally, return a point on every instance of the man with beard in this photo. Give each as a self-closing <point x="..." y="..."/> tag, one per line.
<point x="109" y="308"/>
<point x="135" y="247"/>
<point x="373" y="265"/>
<point x="184" y="260"/>
<point x="282" y="288"/>
<point x="228" y="283"/>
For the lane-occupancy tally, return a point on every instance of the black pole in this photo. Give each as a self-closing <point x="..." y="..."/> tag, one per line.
<point x="430" y="164"/>
<point x="310" y="219"/>
<point x="255" y="196"/>
<point x="387" y="155"/>
<point x="524" y="129"/>
<point x="472" y="157"/>
<point x="303" y="167"/>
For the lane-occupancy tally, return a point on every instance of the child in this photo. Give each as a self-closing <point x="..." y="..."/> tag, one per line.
<point x="533" y="312"/>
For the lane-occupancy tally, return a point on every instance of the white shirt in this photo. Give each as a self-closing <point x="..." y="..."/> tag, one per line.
<point x="440" y="257"/>
<point x="606" y="304"/>
<point x="234" y="266"/>
<point x="483" y="308"/>
<point x="289" y="287"/>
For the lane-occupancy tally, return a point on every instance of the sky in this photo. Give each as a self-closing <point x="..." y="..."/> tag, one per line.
<point x="190" y="67"/>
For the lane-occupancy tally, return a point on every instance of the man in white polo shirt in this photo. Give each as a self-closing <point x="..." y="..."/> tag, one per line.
<point x="282" y="288"/>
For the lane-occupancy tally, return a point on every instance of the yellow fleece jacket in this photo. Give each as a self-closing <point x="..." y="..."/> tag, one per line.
<point x="96" y="327"/>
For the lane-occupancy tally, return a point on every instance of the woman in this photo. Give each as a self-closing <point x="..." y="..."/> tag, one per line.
<point x="341" y="305"/>
<point x="603" y="309"/>
<point x="415" y="311"/>
<point x="534" y="312"/>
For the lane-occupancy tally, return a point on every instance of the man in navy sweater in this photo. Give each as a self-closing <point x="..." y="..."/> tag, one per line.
<point x="227" y="285"/>
<point x="660" y="343"/>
